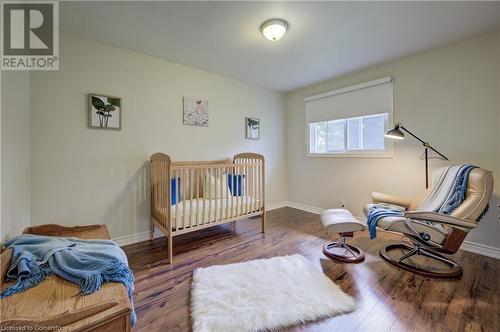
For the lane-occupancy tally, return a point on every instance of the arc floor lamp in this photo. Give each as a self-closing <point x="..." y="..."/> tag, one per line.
<point x="396" y="133"/>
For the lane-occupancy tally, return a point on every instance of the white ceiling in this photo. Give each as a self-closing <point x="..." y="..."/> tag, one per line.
<point x="325" y="39"/>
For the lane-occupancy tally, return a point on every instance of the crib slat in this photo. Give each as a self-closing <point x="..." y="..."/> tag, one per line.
<point x="177" y="199"/>
<point x="245" y="192"/>
<point x="154" y="183"/>
<point x="227" y="196"/>
<point x="221" y="194"/>
<point x="263" y="182"/>
<point x="194" y="202"/>
<point x="166" y="176"/>
<point x="216" y="192"/>
<point x="260" y="186"/>
<point x="242" y="191"/>
<point x="209" y="195"/>
<point x="234" y="198"/>
<point x="231" y="197"/>
<point x="197" y="197"/>
<point x="182" y="192"/>
<point x="191" y="189"/>
<point x="262" y="189"/>
<point x="161" y="181"/>
<point x="255" y="187"/>
<point x="162" y="184"/>
<point x="154" y="175"/>
<point x="203" y="183"/>
<point x="238" y="187"/>
<point x="233" y="170"/>
<point x="250" y="188"/>
<point x="254" y="183"/>
<point x="183" y="195"/>
<point x="214" y="173"/>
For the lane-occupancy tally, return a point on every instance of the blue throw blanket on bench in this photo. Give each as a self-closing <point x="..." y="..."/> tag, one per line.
<point x="87" y="263"/>
<point x="447" y="193"/>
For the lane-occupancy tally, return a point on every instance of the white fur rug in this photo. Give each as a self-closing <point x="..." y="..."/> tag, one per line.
<point x="263" y="294"/>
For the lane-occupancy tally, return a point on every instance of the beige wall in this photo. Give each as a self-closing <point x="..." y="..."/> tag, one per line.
<point x="447" y="95"/>
<point x="15" y="138"/>
<point x="82" y="175"/>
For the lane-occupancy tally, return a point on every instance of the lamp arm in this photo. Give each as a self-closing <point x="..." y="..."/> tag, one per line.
<point x="426" y="144"/>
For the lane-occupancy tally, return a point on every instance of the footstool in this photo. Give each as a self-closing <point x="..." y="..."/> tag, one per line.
<point x="342" y="222"/>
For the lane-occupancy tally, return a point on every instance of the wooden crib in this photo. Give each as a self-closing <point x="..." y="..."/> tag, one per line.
<point x="189" y="196"/>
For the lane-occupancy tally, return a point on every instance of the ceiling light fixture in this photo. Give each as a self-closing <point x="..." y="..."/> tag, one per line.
<point x="274" y="29"/>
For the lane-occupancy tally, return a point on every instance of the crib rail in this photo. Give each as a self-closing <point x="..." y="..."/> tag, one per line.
<point x="187" y="196"/>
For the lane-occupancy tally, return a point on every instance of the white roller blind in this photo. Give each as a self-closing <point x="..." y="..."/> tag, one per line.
<point x="368" y="98"/>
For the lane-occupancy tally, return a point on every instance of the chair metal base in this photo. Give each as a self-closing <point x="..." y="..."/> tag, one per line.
<point x="342" y="251"/>
<point x="454" y="271"/>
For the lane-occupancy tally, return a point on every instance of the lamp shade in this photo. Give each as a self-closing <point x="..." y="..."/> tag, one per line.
<point x="395" y="133"/>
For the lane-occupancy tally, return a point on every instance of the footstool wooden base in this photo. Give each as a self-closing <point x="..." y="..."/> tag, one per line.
<point x="342" y="222"/>
<point x="343" y="251"/>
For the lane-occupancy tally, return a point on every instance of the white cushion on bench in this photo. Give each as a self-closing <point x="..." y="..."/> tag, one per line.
<point x="336" y="221"/>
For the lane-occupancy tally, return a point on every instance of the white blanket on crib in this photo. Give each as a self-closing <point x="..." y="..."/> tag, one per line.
<point x="193" y="211"/>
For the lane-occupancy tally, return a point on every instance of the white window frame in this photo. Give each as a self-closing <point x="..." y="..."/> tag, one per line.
<point x="388" y="152"/>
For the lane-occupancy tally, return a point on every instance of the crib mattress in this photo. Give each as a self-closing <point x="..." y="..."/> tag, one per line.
<point x="202" y="211"/>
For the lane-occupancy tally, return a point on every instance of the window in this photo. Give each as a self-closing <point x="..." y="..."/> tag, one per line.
<point x="351" y="121"/>
<point x="363" y="133"/>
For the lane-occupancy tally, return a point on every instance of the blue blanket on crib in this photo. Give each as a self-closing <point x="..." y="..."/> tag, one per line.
<point x="448" y="192"/>
<point x="87" y="263"/>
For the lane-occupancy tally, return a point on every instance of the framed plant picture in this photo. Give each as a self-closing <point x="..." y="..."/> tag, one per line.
<point x="252" y="128"/>
<point x="195" y="112"/>
<point x="105" y="112"/>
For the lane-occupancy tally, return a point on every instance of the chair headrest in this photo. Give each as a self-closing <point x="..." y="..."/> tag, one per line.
<point x="478" y="195"/>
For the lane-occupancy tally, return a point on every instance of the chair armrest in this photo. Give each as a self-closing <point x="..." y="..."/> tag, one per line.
<point x="391" y="199"/>
<point x="440" y="218"/>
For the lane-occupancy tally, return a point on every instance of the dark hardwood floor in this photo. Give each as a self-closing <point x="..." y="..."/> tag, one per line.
<point x="388" y="299"/>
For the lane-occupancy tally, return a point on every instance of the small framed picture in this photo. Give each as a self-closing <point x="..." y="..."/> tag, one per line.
<point x="105" y="112"/>
<point x="252" y="128"/>
<point x="195" y="112"/>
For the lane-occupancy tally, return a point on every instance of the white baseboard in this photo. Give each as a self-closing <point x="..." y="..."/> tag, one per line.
<point x="277" y="205"/>
<point x="131" y="239"/>
<point x="305" y="207"/>
<point x="136" y="238"/>
<point x="481" y="249"/>
<point x="473" y="247"/>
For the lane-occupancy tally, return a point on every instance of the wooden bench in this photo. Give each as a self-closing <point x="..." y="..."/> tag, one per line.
<point x="57" y="303"/>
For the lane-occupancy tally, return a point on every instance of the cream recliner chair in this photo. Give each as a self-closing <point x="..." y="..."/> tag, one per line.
<point x="432" y="233"/>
